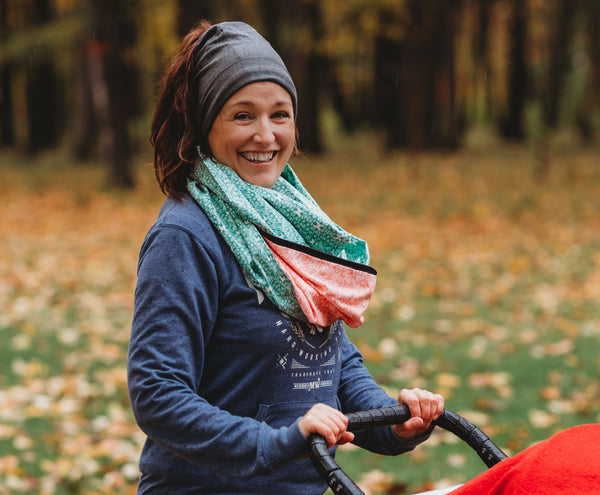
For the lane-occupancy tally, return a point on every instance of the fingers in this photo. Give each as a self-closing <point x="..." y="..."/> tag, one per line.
<point x="328" y="422"/>
<point x="422" y="403"/>
<point x="424" y="407"/>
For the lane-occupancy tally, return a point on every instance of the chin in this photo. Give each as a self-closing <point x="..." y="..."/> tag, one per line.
<point x="262" y="180"/>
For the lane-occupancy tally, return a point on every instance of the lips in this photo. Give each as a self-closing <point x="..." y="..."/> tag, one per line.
<point x="259" y="156"/>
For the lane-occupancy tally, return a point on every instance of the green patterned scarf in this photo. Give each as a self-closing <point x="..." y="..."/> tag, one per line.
<point x="240" y="211"/>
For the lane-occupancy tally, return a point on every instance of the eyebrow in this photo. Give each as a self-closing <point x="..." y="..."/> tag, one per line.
<point x="250" y="103"/>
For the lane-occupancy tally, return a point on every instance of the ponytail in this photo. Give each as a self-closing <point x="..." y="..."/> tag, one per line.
<point x="174" y="130"/>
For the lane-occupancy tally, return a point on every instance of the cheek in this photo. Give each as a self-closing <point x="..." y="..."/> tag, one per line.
<point x="214" y="137"/>
<point x="290" y="136"/>
<point x="221" y="140"/>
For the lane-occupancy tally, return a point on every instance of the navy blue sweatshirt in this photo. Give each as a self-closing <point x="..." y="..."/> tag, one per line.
<point x="219" y="377"/>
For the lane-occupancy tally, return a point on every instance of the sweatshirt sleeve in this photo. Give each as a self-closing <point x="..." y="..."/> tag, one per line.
<point x="358" y="391"/>
<point x="176" y="305"/>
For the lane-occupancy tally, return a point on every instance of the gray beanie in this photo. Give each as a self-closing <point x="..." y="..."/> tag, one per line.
<point x="229" y="56"/>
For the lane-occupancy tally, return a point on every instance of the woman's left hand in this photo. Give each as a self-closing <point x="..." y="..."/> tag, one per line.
<point x="424" y="407"/>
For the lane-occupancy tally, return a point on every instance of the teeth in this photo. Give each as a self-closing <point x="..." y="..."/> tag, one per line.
<point x="255" y="156"/>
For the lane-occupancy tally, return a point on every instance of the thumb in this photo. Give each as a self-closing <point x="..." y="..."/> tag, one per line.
<point x="409" y="427"/>
<point x="347" y="437"/>
<point x="414" y="424"/>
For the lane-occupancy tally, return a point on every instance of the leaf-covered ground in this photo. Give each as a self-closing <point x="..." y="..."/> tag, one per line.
<point x="488" y="289"/>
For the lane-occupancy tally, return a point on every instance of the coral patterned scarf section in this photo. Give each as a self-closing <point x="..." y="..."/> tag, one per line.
<point x="327" y="288"/>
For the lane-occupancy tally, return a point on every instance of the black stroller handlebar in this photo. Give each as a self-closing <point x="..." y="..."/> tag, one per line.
<point x="341" y="483"/>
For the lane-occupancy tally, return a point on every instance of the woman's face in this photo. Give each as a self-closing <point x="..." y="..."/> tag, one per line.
<point x="254" y="132"/>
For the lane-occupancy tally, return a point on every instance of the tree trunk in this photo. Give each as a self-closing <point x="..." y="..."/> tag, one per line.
<point x="190" y="12"/>
<point x="108" y="76"/>
<point x="388" y="90"/>
<point x="417" y="75"/>
<point x="420" y="92"/>
<point x="591" y="101"/>
<point x="7" y="130"/>
<point x="518" y="79"/>
<point x="273" y="14"/>
<point x="443" y="126"/>
<point x="86" y="125"/>
<point x="481" y="52"/>
<point x="41" y="89"/>
<point x="560" y="61"/>
<point x="340" y="105"/>
<point x="306" y="66"/>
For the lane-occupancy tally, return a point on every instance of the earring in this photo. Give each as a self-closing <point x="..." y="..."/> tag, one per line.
<point x="201" y="155"/>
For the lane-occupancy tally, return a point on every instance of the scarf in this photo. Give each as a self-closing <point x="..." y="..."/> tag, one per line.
<point x="286" y="246"/>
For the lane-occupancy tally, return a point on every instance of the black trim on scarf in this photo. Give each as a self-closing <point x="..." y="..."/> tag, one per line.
<point x="318" y="254"/>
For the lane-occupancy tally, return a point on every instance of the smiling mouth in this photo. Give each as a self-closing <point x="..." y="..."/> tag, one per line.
<point x="259" y="157"/>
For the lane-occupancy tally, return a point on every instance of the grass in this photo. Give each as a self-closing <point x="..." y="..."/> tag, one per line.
<point x="488" y="285"/>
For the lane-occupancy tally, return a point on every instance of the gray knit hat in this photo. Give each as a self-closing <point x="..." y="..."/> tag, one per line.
<point x="229" y="56"/>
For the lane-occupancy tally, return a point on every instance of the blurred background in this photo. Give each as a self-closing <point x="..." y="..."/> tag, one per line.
<point x="82" y="74"/>
<point x="459" y="137"/>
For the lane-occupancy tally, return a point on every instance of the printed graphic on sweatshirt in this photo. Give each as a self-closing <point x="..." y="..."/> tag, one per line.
<point x="312" y="353"/>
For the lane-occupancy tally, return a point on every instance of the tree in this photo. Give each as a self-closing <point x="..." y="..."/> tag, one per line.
<point x="300" y="51"/>
<point x="518" y="78"/>
<point x="112" y="84"/>
<point x="310" y="82"/>
<point x="444" y="124"/>
<point x="560" y="58"/>
<point x="189" y="12"/>
<point x="272" y="14"/>
<point x="415" y="77"/>
<point x="387" y="90"/>
<point x="590" y="102"/>
<point x="481" y="52"/>
<point x="86" y="126"/>
<point x="7" y="131"/>
<point x="42" y="89"/>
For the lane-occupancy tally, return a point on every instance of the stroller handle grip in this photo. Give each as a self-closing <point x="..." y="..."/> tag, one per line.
<point x="340" y="482"/>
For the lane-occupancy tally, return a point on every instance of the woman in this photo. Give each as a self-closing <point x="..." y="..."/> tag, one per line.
<point x="238" y="351"/>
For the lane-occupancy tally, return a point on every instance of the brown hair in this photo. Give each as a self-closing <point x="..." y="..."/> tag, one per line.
<point x="174" y="126"/>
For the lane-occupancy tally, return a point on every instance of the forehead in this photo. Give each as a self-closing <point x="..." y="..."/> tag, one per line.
<point x="261" y="93"/>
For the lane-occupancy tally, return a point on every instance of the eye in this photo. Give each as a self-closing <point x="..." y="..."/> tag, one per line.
<point x="281" y="115"/>
<point x="242" y="116"/>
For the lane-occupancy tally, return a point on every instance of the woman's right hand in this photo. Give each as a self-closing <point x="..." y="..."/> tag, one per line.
<point x="327" y="422"/>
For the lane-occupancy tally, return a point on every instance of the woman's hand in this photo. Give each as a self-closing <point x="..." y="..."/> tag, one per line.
<point x="328" y="422"/>
<point x="424" y="407"/>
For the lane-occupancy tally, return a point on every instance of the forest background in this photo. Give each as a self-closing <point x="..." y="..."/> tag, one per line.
<point x="464" y="132"/>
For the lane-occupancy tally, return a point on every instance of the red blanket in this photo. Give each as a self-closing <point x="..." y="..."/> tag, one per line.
<point x="567" y="463"/>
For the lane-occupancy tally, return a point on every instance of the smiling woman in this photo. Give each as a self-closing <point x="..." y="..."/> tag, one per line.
<point x="238" y="350"/>
<point x="254" y="133"/>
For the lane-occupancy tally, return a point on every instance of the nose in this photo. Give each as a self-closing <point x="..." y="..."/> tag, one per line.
<point x="264" y="132"/>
